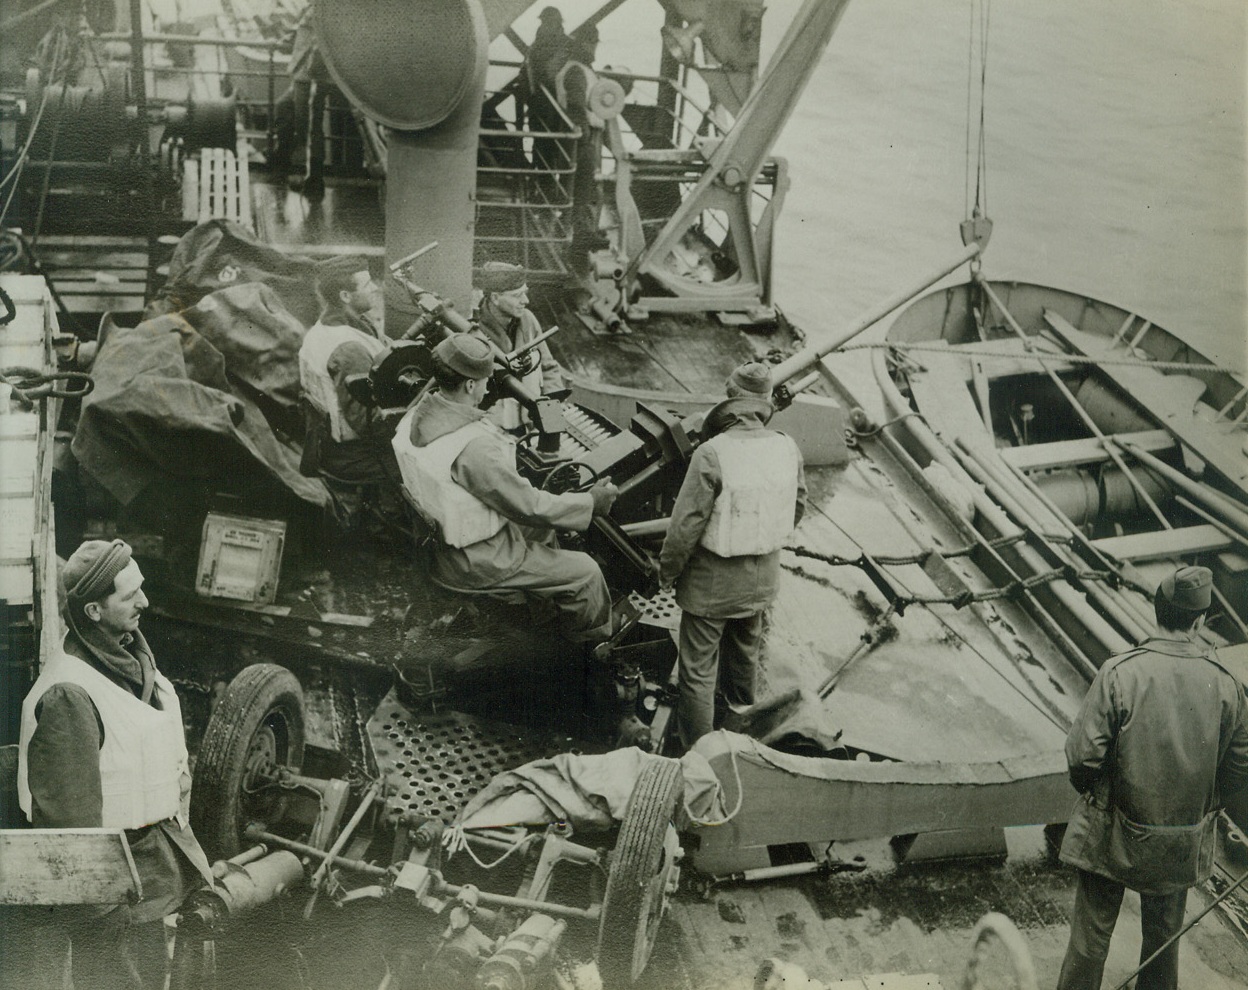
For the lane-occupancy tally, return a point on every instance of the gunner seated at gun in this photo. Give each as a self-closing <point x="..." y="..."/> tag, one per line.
<point x="504" y="318"/>
<point x="496" y="532"/>
<point x="346" y="441"/>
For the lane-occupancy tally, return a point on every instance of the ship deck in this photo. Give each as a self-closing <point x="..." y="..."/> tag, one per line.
<point x="942" y="684"/>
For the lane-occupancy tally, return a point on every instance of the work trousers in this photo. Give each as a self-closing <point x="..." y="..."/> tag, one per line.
<point x="715" y="653"/>
<point x="105" y="951"/>
<point x="569" y="581"/>
<point x="1097" y="901"/>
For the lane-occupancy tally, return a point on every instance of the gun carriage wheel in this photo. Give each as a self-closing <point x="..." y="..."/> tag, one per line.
<point x="642" y="875"/>
<point x="256" y="728"/>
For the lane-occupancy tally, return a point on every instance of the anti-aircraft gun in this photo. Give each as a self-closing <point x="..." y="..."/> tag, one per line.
<point x="647" y="460"/>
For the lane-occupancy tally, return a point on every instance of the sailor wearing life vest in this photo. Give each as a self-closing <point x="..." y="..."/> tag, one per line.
<point x="345" y="440"/>
<point x="505" y="318"/>
<point x="496" y="531"/>
<point x="102" y="745"/>
<point x="743" y="494"/>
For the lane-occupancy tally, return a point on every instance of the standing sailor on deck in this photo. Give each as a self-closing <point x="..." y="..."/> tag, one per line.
<point x="505" y="318"/>
<point x="1160" y="743"/>
<point x="496" y="532"/>
<point x="743" y="494"/>
<point x="102" y="746"/>
<point x="346" y="441"/>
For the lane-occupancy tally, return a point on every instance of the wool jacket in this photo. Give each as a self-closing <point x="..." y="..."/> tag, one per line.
<point x="1160" y="743"/>
<point x="64" y="775"/>
<point x="487" y="469"/>
<point x="707" y="584"/>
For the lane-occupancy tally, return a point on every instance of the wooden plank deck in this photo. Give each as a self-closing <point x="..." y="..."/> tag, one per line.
<point x="25" y="443"/>
<point x="1089" y="450"/>
<point x="96" y="274"/>
<point x="216" y="184"/>
<point x="1164" y="544"/>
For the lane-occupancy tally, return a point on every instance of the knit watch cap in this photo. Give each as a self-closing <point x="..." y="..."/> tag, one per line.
<point x="550" y="14"/>
<point x="502" y="276"/>
<point x="466" y="354"/>
<point x="1189" y="588"/>
<point x="91" y="569"/>
<point x="751" y="378"/>
<point x="343" y="264"/>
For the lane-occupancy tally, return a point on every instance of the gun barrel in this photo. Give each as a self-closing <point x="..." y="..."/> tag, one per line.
<point x="408" y="259"/>
<point x="803" y="359"/>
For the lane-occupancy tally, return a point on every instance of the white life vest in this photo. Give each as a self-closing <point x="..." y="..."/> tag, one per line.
<point x="461" y="517"/>
<point x="143" y="758"/>
<point x="561" y="90"/>
<point x="753" y="513"/>
<point x="318" y="347"/>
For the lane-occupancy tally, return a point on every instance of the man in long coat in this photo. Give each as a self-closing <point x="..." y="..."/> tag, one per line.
<point x="1160" y="743"/>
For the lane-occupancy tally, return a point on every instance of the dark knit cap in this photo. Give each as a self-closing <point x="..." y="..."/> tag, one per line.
<point x="467" y="355"/>
<point x="751" y="378"/>
<point x="501" y="276"/>
<point x="91" y="569"/>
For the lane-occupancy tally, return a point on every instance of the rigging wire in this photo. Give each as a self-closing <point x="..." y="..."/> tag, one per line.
<point x="1037" y="701"/>
<point x="980" y="16"/>
<point x="981" y="163"/>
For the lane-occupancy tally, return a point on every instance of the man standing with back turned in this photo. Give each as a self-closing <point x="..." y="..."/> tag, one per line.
<point x="102" y="745"/>
<point x="1160" y="743"/>
<point x="741" y="497"/>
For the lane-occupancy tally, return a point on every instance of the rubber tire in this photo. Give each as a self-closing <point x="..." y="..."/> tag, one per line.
<point x="263" y="704"/>
<point x="998" y="926"/>
<point x="625" y="937"/>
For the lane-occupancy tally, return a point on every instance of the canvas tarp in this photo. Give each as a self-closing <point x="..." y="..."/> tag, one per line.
<point x="589" y="792"/>
<point x="175" y="398"/>
<point x="218" y="254"/>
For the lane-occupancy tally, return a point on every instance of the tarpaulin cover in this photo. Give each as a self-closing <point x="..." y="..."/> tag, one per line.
<point x="590" y="792"/>
<point x="163" y="406"/>
<point x="257" y="336"/>
<point x="218" y="254"/>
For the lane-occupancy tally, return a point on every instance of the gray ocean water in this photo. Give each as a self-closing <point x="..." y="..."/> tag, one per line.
<point x="1116" y="150"/>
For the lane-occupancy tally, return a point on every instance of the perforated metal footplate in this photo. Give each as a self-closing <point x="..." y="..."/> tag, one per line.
<point x="661" y="610"/>
<point x="440" y="761"/>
